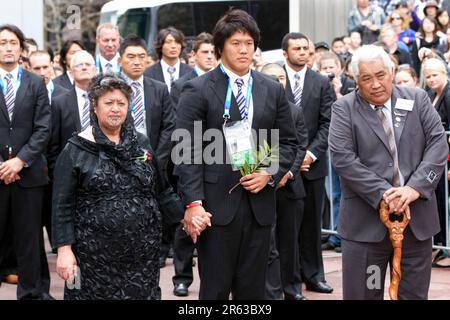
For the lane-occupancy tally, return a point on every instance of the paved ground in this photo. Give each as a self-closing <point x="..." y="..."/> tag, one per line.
<point x="440" y="282"/>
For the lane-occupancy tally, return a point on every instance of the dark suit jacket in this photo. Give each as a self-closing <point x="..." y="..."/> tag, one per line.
<point x="155" y="71"/>
<point x="442" y="106"/>
<point x="317" y="98"/>
<point x="202" y="99"/>
<point x="175" y="91"/>
<point x="29" y="131"/>
<point x="160" y="118"/>
<point x="63" y="81"/>
<point x="58" y="91"/>
<point x="360" y="154"/>
<point x="65" y="121"/>
<point x="294" y="187"/>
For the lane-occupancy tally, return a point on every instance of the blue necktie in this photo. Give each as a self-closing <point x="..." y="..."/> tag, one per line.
<point x="86" y="118"/>
<point x="297" y="90"/>
<point x="240" y="99"/>
<point x="10" y="97"/>
<point x="138" y="105"/>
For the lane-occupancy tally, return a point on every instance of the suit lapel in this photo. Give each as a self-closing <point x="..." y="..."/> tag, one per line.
<point x="307" y="88"/>
<point x="259" y="99"/>
<point x="159" y="73"/>
<point x="401" y="115"/>
<point x="73" y="109"/>
<point x="24" y="83"/>
<point x="149" y="93"/>
<point x="288" y="90"/>
<point x="3" y="108"/>
<point x="219" y="87"/>
<point x="372" y="119"/>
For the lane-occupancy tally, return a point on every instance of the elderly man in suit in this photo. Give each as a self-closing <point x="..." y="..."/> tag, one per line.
<point x="70" y="111"/>
<point x="386" y="142"/>
<point x="233" y="250"/>
<point x="24" y="133"/>
<point x="168" y="45"/>
<point x="313" y="92"/>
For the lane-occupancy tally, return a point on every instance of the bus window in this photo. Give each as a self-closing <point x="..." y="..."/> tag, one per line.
<point x="135" y="21"/>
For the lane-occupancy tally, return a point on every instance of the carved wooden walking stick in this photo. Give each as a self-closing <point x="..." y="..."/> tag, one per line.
<point x="396" y="229"/>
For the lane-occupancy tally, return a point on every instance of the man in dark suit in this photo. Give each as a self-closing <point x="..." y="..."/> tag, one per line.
<point x="233" y="250"/>
<point x="387" y="143"/>
<point x="151" y="108"/>
<point x="152" y="112"/>
<point x="283" y="274"/>
<point x="70" y="111"/>
<point x="168" y="45"/>
<point x="24" y="133"/>
<point x="313" y="92"/>
<point x="108" y="40"/>
<point x="183" y="247"/>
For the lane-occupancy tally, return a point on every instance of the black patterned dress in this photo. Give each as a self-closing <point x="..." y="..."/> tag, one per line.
<point x="104" y="206"/>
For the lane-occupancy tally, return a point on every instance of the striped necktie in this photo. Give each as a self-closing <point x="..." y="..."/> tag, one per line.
<point x="138" y="105"/>
<point x="10" y="96"/>
<point x="297" y="90"/>
<point x="171" y="71"/>
<point x="240" y="99"/>
<point x="109" y="69"/>
<point x="86" y="118"/>
<point x="392" y="145"/>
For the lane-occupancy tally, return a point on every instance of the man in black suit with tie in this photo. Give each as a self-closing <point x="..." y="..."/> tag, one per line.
<point x="313" y="92"/>
<point x="24" y="132"/>
<point x="183" y="247"/>
<point x="108" y="40"/>
<point x="151" y="106"/>
<point x="70" y="111"/>
<point x="234" y="227"/>
<point x="168" y="45"/>
<point x="283" y="273"/>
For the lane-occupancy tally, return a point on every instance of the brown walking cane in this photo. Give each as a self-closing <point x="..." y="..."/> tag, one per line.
<point x="396" y="229"/>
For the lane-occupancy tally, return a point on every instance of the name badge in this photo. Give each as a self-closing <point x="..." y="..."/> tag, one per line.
<point x="404" y="104"/>
<point x="240" y="144"/>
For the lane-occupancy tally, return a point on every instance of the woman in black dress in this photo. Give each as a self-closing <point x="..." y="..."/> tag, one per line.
<point x="106" y="221"/>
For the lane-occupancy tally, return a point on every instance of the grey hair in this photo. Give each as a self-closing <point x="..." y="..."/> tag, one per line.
<point x="369" y="53"/>
<point x="81" y="53"/>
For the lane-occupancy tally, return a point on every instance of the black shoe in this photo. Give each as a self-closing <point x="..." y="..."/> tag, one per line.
<point x="321" y="287"/>
<point x="180" y="290"/>
<point x="162" y="262"/>
<point x="338" y="249"/>
<point x="298" y="296"/>
<point x="45" y="296"/>
<point x="170" y="253"/>
<point x="328" y="246"/>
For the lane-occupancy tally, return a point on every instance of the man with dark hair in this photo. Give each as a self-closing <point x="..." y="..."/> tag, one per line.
<point x="168" y="45"/>
<point x="313" y="92"/>
<point x="24" y="132"/>
<point x="151" y="107"/>
<point x="183" y="247"/>
<point x="233" y="250"/>
<point x="30" y="46"/>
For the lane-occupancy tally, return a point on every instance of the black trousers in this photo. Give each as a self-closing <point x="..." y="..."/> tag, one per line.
<point x="310" y="232"/>
<point x="23" y="206"/>
<point x="183" y="253"/>
<point x="364" y="267"/>
<point x="233" y="258"/>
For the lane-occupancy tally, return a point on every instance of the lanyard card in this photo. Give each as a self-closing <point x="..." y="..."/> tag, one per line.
<point x="240" y="145"/>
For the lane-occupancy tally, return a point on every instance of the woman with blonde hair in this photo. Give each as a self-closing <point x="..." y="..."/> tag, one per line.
<point x="400" y="23"/>
<point x="434" y="73"/>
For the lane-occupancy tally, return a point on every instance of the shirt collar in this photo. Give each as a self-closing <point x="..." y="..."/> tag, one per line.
<point x="291" y="72"/>
<point x="14" y="72"/>
<point x="79" y="91"/>
<point x="140" y="80"/>
<point x="114" y="61"/>
<point x="234" y="76"/>
<point x="387" y="105"/>
<point x="199" y="71"/>
<point x="164" y="65"/>
<point x="50" y="86"/>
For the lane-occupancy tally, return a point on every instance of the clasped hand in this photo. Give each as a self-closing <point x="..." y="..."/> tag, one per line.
<point x="398" y="199"/>
<point x="9" y="170"/>
<point x="196" y="219"/>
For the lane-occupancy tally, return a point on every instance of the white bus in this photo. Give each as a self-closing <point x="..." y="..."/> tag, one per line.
<point x="146" y="17"/>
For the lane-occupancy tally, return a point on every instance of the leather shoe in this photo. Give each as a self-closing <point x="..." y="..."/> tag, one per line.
<point x="328" y="246"/>
<point x="298" y="296"/>
<point x="162" y="262"/>
<point x="320" y="287"/>
<point x="180" y="290"/>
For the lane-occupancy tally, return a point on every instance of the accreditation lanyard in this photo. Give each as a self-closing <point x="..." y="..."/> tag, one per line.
<point x="16" y="87"/>
<point x="100" y="68"/>
<point x="227" y="106"/>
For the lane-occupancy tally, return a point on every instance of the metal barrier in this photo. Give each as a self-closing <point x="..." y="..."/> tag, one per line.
<point x="331" y="204"/>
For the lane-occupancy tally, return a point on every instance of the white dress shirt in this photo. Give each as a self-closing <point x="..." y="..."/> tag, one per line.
<point x="143" y="128"/>
<point x="176" y="74"/>
<point x="80" y="100"/>
<point x="114" y="63"/>
<point x="14" y="73"/>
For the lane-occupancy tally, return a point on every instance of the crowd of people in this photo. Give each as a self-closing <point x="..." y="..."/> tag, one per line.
<point x="90" y="140"/>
